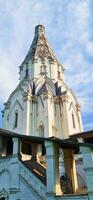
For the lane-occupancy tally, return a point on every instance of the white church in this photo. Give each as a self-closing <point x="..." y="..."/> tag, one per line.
<point x="44" y="153"/>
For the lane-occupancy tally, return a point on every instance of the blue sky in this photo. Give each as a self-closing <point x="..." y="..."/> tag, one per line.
<point x="69" y="29"/>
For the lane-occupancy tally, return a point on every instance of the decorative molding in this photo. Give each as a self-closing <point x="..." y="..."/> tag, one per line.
<point x="14" y="190"/>
<point x="47" y="95"/>
<point x="4" y="193"/>
<point x="42" y="101"/>
<point x="7" y="105"/>
<point x="51" y="61"/>
<point x="78" y="107"/>
<point x="56" y="99"/>
<point x="34" y="60"/>
<point x="65" y="98"/>
<point x="34" y="99"/>
<point x="27" y="96"/>
<point x="16" y="103"/>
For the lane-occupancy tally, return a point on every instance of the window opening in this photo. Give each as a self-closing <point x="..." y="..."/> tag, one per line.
<point x="27" y="72"/>
<point x="43" y="70"/>
<point x="58" y="74"/>
<point x="73" y="120"/>
<point x="16" y="120"/>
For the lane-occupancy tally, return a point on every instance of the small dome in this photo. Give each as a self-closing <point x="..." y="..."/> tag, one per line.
<point x="39" y="28"/>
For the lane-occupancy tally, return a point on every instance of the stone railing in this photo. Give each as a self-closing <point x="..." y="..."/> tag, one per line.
<point x="24" y="173"/>
<point x="32" y="181"/>
<point x="7" y="160"/>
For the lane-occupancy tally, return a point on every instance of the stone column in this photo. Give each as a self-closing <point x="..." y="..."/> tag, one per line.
<point x="26" y="117"/>
<point x="47" y="98"/>
<point x="16" y="146"/>
<point x="52" y="161"/>
<point x="87" y="154"/>
<point x="65" y="117"/>
<point x="70" y="168"/>
<point x="58" y="121"/>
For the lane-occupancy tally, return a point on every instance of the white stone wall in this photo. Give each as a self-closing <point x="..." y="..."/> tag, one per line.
<point x="52" y="112"/>
<point x="16" y="182"/>
<point x="16" y="105"/>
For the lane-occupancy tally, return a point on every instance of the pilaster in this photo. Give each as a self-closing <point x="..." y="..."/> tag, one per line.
<point x="79" y="117"/>
<point x="65" y="117"/>
<point x="16" y="146"/>
<point x="26" y="118"/>
<point x="47" y="98"/>
<point x="88" y="168"/>
<point x="52" y="160"/>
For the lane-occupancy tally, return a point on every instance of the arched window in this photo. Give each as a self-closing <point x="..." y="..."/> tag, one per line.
<point x="16" y="120"/>
<point x="73" y="120"/>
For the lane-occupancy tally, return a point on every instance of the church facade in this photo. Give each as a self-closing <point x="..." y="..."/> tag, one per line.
<point x="42" y="104"/>
<point x="39" y="142"/>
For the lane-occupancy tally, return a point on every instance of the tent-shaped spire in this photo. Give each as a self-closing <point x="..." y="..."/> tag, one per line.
<point x="40" y="47"/>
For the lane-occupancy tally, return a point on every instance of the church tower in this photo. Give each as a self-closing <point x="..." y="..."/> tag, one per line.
<point x="42" y="104"/>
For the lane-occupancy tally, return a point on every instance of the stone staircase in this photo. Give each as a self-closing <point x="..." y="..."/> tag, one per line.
<point x="35" y="176"/>
<point x="37" y="169"/>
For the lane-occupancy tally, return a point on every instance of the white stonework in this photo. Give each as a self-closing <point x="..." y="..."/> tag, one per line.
<point x="42" y="104"/>
<point x="16" y="182"/>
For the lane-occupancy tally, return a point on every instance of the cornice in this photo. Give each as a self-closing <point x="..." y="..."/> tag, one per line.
<point x="27" y="96"/>
<point x="65" y="98"/>
<point x="78" y="107"/>
<point x="7" y="105"/>
<point x="47" y="95"/>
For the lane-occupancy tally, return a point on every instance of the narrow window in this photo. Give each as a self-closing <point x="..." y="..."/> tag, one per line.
<point x="73" y="120"/>
<point x="58" y="74"/>
<point x="16" y="120"/>
<point x="43" y="70"/>
<point x="27" y="72"/>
